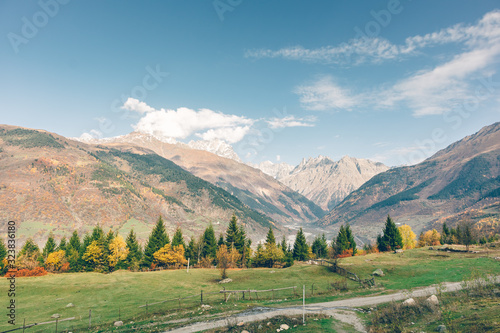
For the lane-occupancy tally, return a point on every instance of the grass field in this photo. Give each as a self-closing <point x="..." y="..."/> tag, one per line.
<point x="121" y="293"/>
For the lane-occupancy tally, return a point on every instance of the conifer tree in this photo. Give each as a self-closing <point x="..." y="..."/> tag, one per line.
<point x="283" y="245"/>
<point x="97" y="234"/>
<point x="178" y="238"/>
<point x="350" y="239"/>
<point x="74" y="241"/>
<point x="233" y="233"/>
<point x="134" y="255"/>
<point x="341" y="243"/>
<point x="300" y="247"/>
<point x="209" y="249"/>
<point x="3" y="255"/>
<point x="157" y="240"/>
<point x="191" y="252"/>
<point x="270" y="237"/>
<point x="72" y="252"/>
<point x="62" y="244"/>
<point x="320" y="247"/>
<point x="221" y="241"/>
<point x="391" y="240"/>
<point x="50" y="246"/>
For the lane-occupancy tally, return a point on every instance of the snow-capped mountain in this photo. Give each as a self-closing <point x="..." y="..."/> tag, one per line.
<point x="217" y="147"/>
<point x="276" y="170"/>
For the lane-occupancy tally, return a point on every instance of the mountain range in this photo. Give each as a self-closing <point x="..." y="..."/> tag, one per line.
<point x="458" y="180"/>
<point x="322" y="180"/>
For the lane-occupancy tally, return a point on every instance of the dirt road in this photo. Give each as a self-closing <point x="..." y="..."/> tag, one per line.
<point x="337" y="309"/>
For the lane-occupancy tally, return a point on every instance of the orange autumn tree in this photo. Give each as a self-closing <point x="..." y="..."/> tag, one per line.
<point x="409" y="237"/>
<point x="430" y="237"/>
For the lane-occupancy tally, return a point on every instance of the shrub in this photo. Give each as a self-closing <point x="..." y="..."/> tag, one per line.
<point x="38" y="271"/>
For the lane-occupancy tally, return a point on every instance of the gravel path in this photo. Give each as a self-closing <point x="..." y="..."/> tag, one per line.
<point x="337" y="309"/>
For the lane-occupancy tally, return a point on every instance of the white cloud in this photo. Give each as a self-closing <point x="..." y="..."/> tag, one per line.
<point x="431" y="91"/>
<point x="324" y="94"/>
<point x="133" y="104"/>
<point x="291" y="121"/>
<point x="377" y="49"/>
<point x="278" y="158"/>
<point x="228" y="134"/>
<point x="184" y="122"/>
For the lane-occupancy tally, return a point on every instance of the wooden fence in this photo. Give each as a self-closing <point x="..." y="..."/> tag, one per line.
<point x="344" y="272"/>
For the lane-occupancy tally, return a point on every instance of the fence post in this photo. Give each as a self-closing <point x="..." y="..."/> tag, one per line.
<point x="249" y="294"/>
<point x="225" y="297"/>
<point x="90" y="318"/>
<point x="119" y="314"/>
<point x="304" y="304"/>
<point x="146" y="308"/>
<point x="201" y="294"/>
<point x="57" y="321"/>
<point x="312" y="289"/>
<point x="179" y="303"/>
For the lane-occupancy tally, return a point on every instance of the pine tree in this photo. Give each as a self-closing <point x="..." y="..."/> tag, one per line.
<point x="445" y="235"/>
<point x="74" y="241"/>
<point x="3" y="251"/>
<point x="283" y="245"/>
<point x="50" y="246"/>
<point x="178" y="238"/>
<point x="29" y="248"/>
<point x="320" y="247"/>
<point x="350" y="239"/>
<point x="391" y="240"/>
<point x="157" y="240"/>
<point x="270" y="237"/>
<point x="233" y="233"/>
<point x="209" y="249"/>
<point x="221" y="241"/>
<point x="62" y="244"/>
<point x="97" y="234"/>
<point x="87" y="240"/>
<point x="300" y="247"/>
<point x="134" y="255"/>
<point x="191" y="252"/>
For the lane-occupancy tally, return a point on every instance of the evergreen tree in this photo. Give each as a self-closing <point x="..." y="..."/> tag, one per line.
<point x="178" y="238"/>
<point x="157" y="240"/>
<point x="320" y="247"/>
<point x="233" y="233"/>
<point x="445" y="235"/>
<point x="300" y="247"/>
<point x="391" y="240"/>
<point x="243" y="245"/>
<point x="342" y="242"/>
<point x="29" y="248"/>
<point x="87" y="240"/>
<point x="74" y="241"/>
<point x="3" y="251"/>
<point x="3" y="255"/>
<point x="50" y="246"/>
<point x="62" y="244"/>
<point x="209" y="249"/>
<point x="221" y="241"/>
<point x="97" y="234"/>
<point x="191" y="252"/>
<point x="352" y="243"/>
<point x="270" y="237"/>
<point x="283" y="245"/>
<point x="134" y="255"/>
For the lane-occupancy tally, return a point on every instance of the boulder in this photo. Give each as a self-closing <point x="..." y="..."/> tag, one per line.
<point x="433" y="300"/>
<point x="70" y="305"/>
<point x="118" y="323"/>
<point x="284" y="327"/>
<point x="205" y="307"/>
<point x="55" y="316"/>
<point x="441" y="328"/>
<point x="240" y="324"/>
<point x="245" y="331"/>
<point x="378" y="272"/>
<point x="409" y="302"/>
<point x="226" y="280"/>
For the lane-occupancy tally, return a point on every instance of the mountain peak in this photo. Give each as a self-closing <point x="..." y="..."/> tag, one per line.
<point x="216" y="146"/>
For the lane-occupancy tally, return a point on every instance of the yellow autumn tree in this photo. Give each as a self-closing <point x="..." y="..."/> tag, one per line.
<point x="430" y="237"/>
<point x="93" y="255"/>
<point x="409" y="237"/>
<point x="55" y="260"/>
<point x="226" y="259"/>
<point x="170" y="256"/>
<point x="118" y="251"/>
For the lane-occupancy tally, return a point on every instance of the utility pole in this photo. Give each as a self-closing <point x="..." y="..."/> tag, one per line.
<point x="304" y="305"/>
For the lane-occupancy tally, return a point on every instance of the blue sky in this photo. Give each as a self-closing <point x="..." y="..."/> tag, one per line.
<point x="392" y="81"/>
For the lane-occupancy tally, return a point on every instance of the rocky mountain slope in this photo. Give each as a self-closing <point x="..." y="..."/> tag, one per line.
<point x="324" y="181"/>
<point x="254" y="188"/>
<point x="50" y="183"/>
<point x="464" y="176"/>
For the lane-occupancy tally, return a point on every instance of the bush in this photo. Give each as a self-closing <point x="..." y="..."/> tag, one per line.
<point x="38" y="271"/>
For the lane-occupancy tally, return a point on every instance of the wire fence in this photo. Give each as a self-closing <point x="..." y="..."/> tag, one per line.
<point x="139" y="311"/>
